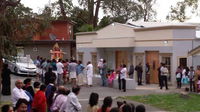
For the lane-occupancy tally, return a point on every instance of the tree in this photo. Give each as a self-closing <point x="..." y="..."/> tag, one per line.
<point x="17" y="23"/>
<point x="178" y="12"/>
<point x="148" y="13"/>
<point x="61" y="9"/>
<point x="90" y="5"/>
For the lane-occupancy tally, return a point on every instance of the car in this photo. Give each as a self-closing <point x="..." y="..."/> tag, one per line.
<point x="22" y="66"/>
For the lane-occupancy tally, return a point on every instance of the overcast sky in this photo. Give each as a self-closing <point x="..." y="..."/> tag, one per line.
<point x="162" y="7"/>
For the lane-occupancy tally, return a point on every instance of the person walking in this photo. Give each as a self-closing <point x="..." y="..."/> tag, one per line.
<point x="104" y="73"/>
<point x="139" y="70"/>
<point x="89" y="72"/>
<point x="191" y="75"/>
<point x="79" y="70"/>
<point x="164" y="74"/>
<point x="60" y="68"/>
<point x="123" y="77"/>
<point x="5" y="80"/>
<point x="72" y="72"/>
<point x="50" y="75"/>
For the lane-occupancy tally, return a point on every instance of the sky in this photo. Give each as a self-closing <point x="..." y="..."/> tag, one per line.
<point x="162" y="8"/>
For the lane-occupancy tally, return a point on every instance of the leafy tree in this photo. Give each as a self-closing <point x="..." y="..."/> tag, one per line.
<point x="148" y="13"/>
<point x="17" y="23"/>
<point x="92" y="7"/>
<point x="178" y="12"/>
<point x="61" y="9"/>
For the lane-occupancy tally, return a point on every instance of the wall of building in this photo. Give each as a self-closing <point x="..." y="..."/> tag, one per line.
<point x="86" y="54"/>
<point x="44" y="50"/>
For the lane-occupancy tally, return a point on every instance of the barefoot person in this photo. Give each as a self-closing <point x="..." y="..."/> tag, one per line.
<point x="89" y="71"/>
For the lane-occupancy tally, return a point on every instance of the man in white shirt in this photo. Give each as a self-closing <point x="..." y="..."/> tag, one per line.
<point x="19" y="93"/>
<point x="60" y="67"/>
<point x="73" y="105"/>
<point x="123" y="77"/>
<point x="89" y="72"/>
<point x="164" y="74"/>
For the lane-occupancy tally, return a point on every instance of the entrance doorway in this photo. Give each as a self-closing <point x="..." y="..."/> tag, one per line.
<point x="183" y="62"/>
<point x="121" y="58"/>
<point x="152" y="57"/>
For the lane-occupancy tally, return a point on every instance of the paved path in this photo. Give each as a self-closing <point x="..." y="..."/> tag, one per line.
<point x="106" y="91"/>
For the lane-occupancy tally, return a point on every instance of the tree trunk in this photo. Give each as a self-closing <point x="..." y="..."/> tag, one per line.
<point x="96" y="14"/>
<point x="62" y="9"/>
<point x="91" y="11"/>
<point x="1" y="67"/>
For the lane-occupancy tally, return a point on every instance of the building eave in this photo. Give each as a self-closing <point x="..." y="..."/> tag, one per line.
<point x="45" y="42"/>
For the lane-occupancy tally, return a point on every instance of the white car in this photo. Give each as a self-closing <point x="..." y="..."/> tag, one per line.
<point x="22" y="65"/>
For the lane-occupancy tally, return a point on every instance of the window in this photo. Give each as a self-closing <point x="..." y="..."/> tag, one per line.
<point x="80" y="56"/>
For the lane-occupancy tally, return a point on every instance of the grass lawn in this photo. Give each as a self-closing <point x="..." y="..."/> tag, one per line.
<point x="170" y="102"/>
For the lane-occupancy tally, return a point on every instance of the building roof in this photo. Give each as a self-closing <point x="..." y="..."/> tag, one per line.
<point x="42" y="42"/>
<point x="194" y="51"/>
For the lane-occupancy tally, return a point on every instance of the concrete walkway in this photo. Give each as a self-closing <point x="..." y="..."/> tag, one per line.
<point x="107" y="91"/>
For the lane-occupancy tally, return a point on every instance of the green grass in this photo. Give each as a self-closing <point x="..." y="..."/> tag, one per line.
<point x="170" y="102"/>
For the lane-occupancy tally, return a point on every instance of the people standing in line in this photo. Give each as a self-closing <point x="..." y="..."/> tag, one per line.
<point x="7" y="108"/>
<point x="60" y="100"/>
<point x="37" y="63"/>
<point x="50" y="75"/>
<point x="36" y="86"/>
<point x="179" y="76"/>
<point x="147" y="73"/>
<point x="107" y="103"/>
<point x="140" y="108"/>
<point x="39" y="102"/>
<point x="21" y="105"/>
<point x="131" y="71"/>
<point x="65" y="64"/>
<point x="60" y="68"/>
<point x="72" y="72"/>
<point x="54" y="68"/>
<point x="191" y="75"/>
<point x="28" y="87"/>
<point x="5" y="75"/>
<point x="50" y="98"/>
<point x="18" y="93"/>
<point x="89" y="72"/>
<point x="197" y="75"/>
<point x="139" y="70"/>
<point x="104" y="73"/>
<point x="164" y="74"/>
<point x="119" y="77"/>
<point x="100" y="66"/>
<point x="123" y="77"/>
<point x="159" y="74"/>
<point x="79" y="71"/>
<point x="93" y="103"/>
<point x="43" y="68"/>
<point x="73" y="105"/>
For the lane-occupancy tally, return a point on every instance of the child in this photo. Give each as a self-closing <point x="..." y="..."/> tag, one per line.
<point x="100" y="65"/>
<point x="111" y="78"/>
<point x="198" y="85"/>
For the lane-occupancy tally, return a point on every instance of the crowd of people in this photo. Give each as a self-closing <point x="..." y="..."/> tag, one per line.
<point x="52" y="98"/>
<point x="188" y="76"/>
<point x="64" y="71"/>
